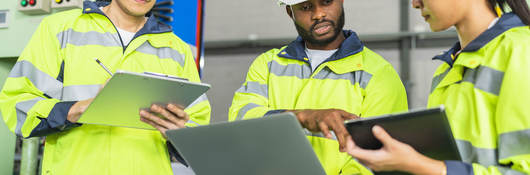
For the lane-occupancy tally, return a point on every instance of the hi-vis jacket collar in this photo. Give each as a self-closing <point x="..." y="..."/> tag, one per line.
<point x="506" y="22"/>
<point x="351" y="46"/>
<point x="153" y="25"/>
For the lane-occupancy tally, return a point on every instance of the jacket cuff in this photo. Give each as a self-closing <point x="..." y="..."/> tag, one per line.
<point x="56" y="120"/>
<point x="271" y="112"/>
<point x="458" y="168"/>
<point x="174" y="153"/>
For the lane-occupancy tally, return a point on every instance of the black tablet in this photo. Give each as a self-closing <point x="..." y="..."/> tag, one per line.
<point x="428" y="131"/>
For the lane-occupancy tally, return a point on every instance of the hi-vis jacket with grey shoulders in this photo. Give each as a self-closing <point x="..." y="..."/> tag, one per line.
<point x="354" y="79"/>
<point x="57" y="68"/>
<point x="486" y="92"/>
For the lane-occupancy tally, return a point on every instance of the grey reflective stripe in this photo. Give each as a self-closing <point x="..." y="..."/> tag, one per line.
<point x="162" y="53"/>
<point x="255" y="88"/>
<point x="471" y="154"/>
<point x="514" y="143"/>
<point x="438" y="79"/>
<point x="319" y="134"/>
<point x="193" y="50"/>
<point x="201" y="98"/>
<point x="245" y="109"/>
<point x="296" y="70"/>
<point x="361" y="77"/>
<point x="304" y="72"/>
<point x="192" y="122"/>
<point x="23" y="108"/>
<point x="509" y="171"/>
<point x="88" y="38"/>
<point x="80" y="92"/>
<point x="44" y="82"/>
<point x="485" y="78"/>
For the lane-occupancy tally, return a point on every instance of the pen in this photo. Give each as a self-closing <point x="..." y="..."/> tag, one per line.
<point x="103" y="66"/>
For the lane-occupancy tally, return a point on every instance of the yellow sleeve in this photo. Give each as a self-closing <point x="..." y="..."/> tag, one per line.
<point x="384" y="93"/>
<point x="200" y="109"/>
<point x="30" y="99"/>
<point x="513" y="115"/>
<point x="512" y="122"/>
<point x="251" y="100"/>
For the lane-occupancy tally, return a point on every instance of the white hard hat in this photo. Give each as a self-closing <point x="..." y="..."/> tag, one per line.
<point x="290" y="2"/>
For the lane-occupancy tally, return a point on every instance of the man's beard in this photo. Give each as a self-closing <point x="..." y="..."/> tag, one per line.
<point x="306" y="35"/>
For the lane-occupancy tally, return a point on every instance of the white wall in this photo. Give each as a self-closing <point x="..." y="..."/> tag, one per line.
<point x="264" y="19"/>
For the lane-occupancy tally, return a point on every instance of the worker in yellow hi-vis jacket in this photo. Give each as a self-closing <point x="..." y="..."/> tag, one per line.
<point x="325" y="76"/>
<point x="56" y="77"/>
<point x="483" y="82"/>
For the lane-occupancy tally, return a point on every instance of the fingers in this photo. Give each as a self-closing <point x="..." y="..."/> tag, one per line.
<point x="348" y="116"/>
<point x="168" y="116"/>
<point x="75" y="112"/>
<point x="153" y="124"/>
<point x="369" y="158"/>
<point x="341" y="132"/>
<point x="173" y="117"/>
<point x="350" y="145"/>
<point x="362" y="154"/>
<point x="85" y="104"/>
<point x="159" y="110"/>
<point x="156" y="120"/>
<point x="324" y="128"/>
<point x="382" y="135"/>
<point x="325" y="120"/>
<point x="178" y="111"/>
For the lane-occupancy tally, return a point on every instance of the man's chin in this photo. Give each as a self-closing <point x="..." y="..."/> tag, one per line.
<point x="324" y="40"/>
<point x="323" y="36"/>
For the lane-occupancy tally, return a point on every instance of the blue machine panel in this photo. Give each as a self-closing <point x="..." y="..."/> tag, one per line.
<point x="186" y="18"/>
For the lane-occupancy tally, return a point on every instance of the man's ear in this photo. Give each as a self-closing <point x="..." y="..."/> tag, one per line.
<point x="289" y="11"/>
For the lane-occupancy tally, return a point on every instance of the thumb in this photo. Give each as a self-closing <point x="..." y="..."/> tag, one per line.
<point x="350" y="145"/>
<point x="382" y="135"/>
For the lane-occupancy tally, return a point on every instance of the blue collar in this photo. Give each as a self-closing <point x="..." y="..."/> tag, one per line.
<point x="506" y="22"/>
<point x="350" y="46"/>
<point x="152" y="25"/>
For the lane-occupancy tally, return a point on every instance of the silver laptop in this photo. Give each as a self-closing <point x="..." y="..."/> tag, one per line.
<point x="272" y="145"/>
<point x="119" y="103"/>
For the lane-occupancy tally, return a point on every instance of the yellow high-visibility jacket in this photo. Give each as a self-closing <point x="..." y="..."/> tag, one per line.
<point x="486" y="92"/>
<point x="57" y="68"/>
<point x="354" y="79"/>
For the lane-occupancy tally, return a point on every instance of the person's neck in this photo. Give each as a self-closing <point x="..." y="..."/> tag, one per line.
<point x="123" y="20"/>
<point x="474" y="23"/>
<point x="331" y="46"/>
